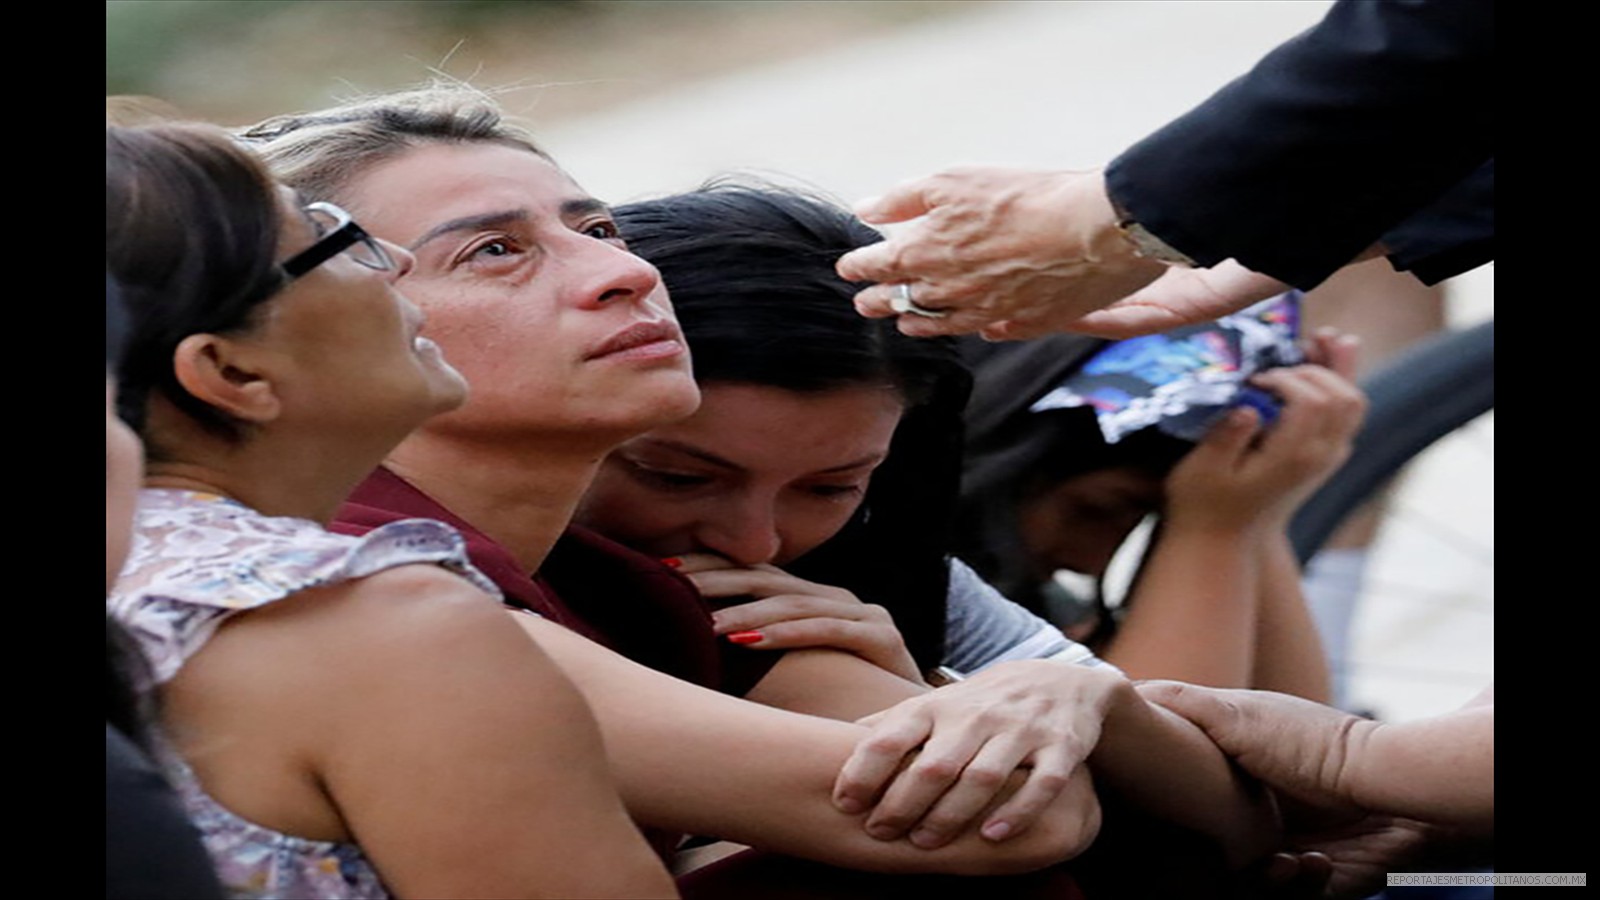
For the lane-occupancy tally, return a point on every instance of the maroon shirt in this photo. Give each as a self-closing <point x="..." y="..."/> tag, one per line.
<point x="590" y="584"/>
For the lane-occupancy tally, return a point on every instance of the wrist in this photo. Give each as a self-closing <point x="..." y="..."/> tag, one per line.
<point x="1213" y="523"/>
<point x="1352" y="777"/>
<point x="1107" y="242"/>
<point x="1142" y="240"/>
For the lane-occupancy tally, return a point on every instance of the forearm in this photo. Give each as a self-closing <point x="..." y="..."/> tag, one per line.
<point x="832" y="684"/>
<point x="1289" y="657"/>
<point x="1166" y="765"/>
<point x="1438" y="770"/>
<point x="1192" y="612"/>
<point x="696" y="761"/>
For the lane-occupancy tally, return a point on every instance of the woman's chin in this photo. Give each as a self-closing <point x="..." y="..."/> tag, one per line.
<point x="447" y="388"/>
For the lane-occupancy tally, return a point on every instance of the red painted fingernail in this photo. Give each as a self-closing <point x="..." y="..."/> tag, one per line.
<point x="672" y="562"/>
<point x="745" y="637"/>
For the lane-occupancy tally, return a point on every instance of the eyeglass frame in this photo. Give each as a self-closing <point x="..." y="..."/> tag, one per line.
<point x="344" y="235"/>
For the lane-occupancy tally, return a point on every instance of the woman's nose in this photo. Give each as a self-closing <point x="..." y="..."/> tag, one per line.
<point x="617" y="274"/>
<point x="746" y="537"/>
<point x="403" y="259"/>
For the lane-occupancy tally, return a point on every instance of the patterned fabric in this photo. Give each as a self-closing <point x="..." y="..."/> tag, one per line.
<point x="261" y="864"/>
<point x="198" y="559"/>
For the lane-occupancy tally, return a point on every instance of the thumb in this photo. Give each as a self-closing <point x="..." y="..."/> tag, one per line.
<point x="1125" y="319"/>
<point x="1205" y="707"/>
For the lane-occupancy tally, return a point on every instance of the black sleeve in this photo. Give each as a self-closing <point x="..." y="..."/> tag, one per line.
<point x="151" y="849"/>
<point x="1453" y="235"/>
<point x="1330" y="141"/>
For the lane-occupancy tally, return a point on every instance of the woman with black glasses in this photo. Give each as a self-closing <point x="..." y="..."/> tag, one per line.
<point x="323" y="727"/>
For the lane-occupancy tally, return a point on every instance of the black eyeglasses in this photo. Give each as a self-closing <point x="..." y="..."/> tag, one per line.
<point x="338" y="233"/>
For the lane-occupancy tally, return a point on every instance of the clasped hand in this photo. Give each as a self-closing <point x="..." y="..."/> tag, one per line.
<point x="934" y="765"/>
<point x="996" y="750"/>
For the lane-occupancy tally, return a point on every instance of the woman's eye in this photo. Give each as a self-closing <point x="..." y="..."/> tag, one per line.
<point x="668" y="480"/>
<point x="494" y="248"/>
<point x="604" y="231"/>
<point x="837" y="490"/>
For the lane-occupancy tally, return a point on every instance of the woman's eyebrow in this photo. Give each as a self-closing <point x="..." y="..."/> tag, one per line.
<point x="476" y="222"/>
<point x="585" y="206"/>
<point x="715" y="460"/>
<point x="697" y="453"/>
<point x="870" y="459"/>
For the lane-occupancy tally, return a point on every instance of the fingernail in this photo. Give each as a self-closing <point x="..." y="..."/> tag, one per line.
<point x="996" y="831"/>
<point x="881" y="832"/>
<point x="848" y="805"/>
<point x="745" y="637"/>
<point x="672" y="562"/>
<point x="866" y="205"/>
<point x="925" y="839"/>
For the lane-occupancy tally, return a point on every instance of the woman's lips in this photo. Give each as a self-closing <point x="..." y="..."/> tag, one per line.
<point x="643" y="340"/>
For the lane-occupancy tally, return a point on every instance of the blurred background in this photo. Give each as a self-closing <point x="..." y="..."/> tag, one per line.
<point x="850" y="97"/>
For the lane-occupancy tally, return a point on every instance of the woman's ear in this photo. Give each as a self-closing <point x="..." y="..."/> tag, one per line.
<point x="221" y="373"/>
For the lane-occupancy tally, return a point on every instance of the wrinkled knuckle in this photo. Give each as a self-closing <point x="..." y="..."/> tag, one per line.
<point x="1050" y="783"/>
<point x="935" y="771"/>
<point x="993" y="719"/>
<point x="989" y="778"/>
<point x="884" y="745"/>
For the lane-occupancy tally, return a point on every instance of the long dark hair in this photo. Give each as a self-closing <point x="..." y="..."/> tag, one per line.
<point x="192" y="227"/>
<point x="750" y="272"/>
<point x="126" y="670"/>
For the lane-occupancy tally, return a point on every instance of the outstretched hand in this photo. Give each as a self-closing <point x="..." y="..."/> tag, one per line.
<point x="935" y="764"/>
<point x="1181" y="296"/>
<point x="1296" y="747"/>
<point x="1035" y="250"/>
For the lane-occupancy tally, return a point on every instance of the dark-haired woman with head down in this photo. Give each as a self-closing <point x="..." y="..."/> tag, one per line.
<point x="325" y="730"/>
<point x="826" y="450"/>
<point x="826" y="454"/>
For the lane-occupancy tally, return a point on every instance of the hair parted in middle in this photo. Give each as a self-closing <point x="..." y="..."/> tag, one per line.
<point x="319" y="153"/>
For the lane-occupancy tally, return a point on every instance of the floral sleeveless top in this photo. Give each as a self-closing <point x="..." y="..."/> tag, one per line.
<point x="198" y="559"/>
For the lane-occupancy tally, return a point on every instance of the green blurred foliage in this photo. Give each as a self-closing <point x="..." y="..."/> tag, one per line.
<point x="234" y="61"/>
<point x="143" y="36"/>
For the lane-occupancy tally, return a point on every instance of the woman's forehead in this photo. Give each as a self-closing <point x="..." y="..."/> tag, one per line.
<point x="438" y="182"/>
<point x="753" y="423"/>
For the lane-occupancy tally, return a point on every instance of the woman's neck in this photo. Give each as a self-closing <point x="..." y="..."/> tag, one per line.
<point x="521" y="494"/>
<point x="272" y="473"/>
